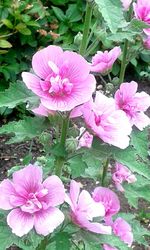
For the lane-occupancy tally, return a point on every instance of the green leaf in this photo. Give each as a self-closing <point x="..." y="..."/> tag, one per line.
<point x="112" y="13"/>
<point x="22" y="28"/>
<point x="137" y="26"/>
<point x="16" y="94"/>
<point x="25" y="129"/>
<point x="59" y="14"/>
<point x="62" y="241"/>
<point x="8" y="23"/>
<point x="120" y="36"/>
<point x="73" y="14"/>
<point x="139" y="139"/>
<point x="77" y="166"/>
<point x="5" y="44"/>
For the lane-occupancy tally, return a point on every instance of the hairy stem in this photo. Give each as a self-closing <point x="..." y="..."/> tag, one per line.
<point x="43" y="244"/>
<point x="86" y="29"/>
<point x="104" y="173"/>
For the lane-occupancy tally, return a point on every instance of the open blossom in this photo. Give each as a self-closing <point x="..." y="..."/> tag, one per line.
<point x="133" y="104"/>
<point x="103" y="61"/>
<point x="32" y="202"/>
<point x="121" y="175"/>
<point x="84" y="209"/>
<point x="110" y="201"/>
<point x="123" y="230"/>
<point x="62" y="79"/>
<point x="109" y="124"/>
<point x="142" y="12"/>
<point x="126" y="4"/>
<point x="86" y="139"/>
<point x="42" y="111"/>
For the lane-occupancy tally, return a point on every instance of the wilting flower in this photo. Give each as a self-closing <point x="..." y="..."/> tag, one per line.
<point x="108" y="247"/>
<point x="86" y="139"/>
<point x="110" y="201"/>
<point x="121" y="175"/>
<point x="133" y="104"/>
<point x="111" y="125"/>
<point x="126" y="4"/>
<point x="62" y="79"/>
<point x="33" y="203"/>
<point x="103" y="61"/>
<point x="142" y="12"/>
<point x="84" y="209"/>
<point x="42" y="111"/>
<point x="146" y="43"/>
<point x="123" y="230"/>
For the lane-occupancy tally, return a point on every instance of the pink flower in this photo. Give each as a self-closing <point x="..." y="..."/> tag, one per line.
<point x="146" y="43"/>
<point x="33" y="203"/>
<point x="62" y="79"/>
<point x="142" y="12"/>
<point x="86" y="139"/>
<point x="110" y="201"/>
<point x="84" y="209"/>
<point x="133" y="104"/>
<point x="111" y="125"/>
<point x="123" y="230"/>
<point x="126" y="4"/>
<point x="121" y="175"/>
<point x="103" y="61"/>
<point x="42" y="111"/>
<point x="108" y="247"/>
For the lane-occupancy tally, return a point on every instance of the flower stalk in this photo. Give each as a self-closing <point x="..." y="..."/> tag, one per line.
<point x="88" y="16"/>
<point x="104" y="173"/>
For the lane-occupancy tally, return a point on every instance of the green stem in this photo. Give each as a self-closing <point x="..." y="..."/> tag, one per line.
<point x="86" y="29"/>
<point x="43" y="244"/>
<point x="92" y="47"/>
<point x="60" y="160"/>
<point x="104" y="174"/>
<point x="124" y="61"/>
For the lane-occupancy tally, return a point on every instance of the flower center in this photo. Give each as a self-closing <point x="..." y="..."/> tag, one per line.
<point x="60" y="86"/>
<point x="97" y="119"/>
<point x="34" y="201"/>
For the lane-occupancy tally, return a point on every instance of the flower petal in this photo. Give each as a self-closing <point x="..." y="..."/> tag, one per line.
<point x="46" y="221"/>
<point x="32" y="82"/>
<point x="40" y="60"/>
<point x="56" y="191"/>
<point x="20" y="222"/>
<point x="74" y="191"/>
<point x="28" y="180"/>
<point x="6" y="192"/>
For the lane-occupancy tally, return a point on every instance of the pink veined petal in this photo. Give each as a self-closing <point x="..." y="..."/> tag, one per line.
<point x="6" y="192"/>
<point x="41" y="58"/>
<point x="108" y="247"/>
<point x="108" y="198"/>
<point x="127" y="90"/>
<point x="74" y="192"/>
<point x="47" y="220"/>
<point x="93" y="226"/>
<point x="42" y="111"/>
<point x="32" y="82"/>
<point x="142" y="100"/>
<point x="141" y="121"/>
<point x="20" y="222"/>
<point x="56" y="191"/>
<point x="81" y="93"/>
<point x="77" y="68"/>
<point x="28" y="180"/>
<point x="89" y="206"/>
<point x="126" y="4"/>
<point x="76" y="112"/>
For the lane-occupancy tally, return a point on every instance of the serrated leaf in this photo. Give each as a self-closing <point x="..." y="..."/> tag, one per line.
<point x="5" y="44"/>
<point x="121" y="36"/>
<point x="137" y="26"/>
<point x="16" y="94"/>
<point x="112" y="13"/>
<point x="25" y="129"/>
<point x="77" y="166"/>
<point x="139" y="139"/>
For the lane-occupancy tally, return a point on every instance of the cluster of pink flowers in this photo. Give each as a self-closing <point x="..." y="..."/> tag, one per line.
<point x="63" y="83"/>
<point x="122" y="174"/>
<point x="33" y="204"/>
<point x="104" y="203"/>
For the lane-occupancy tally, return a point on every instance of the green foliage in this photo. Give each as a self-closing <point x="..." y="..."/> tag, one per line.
<point x="25" y="129"/>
